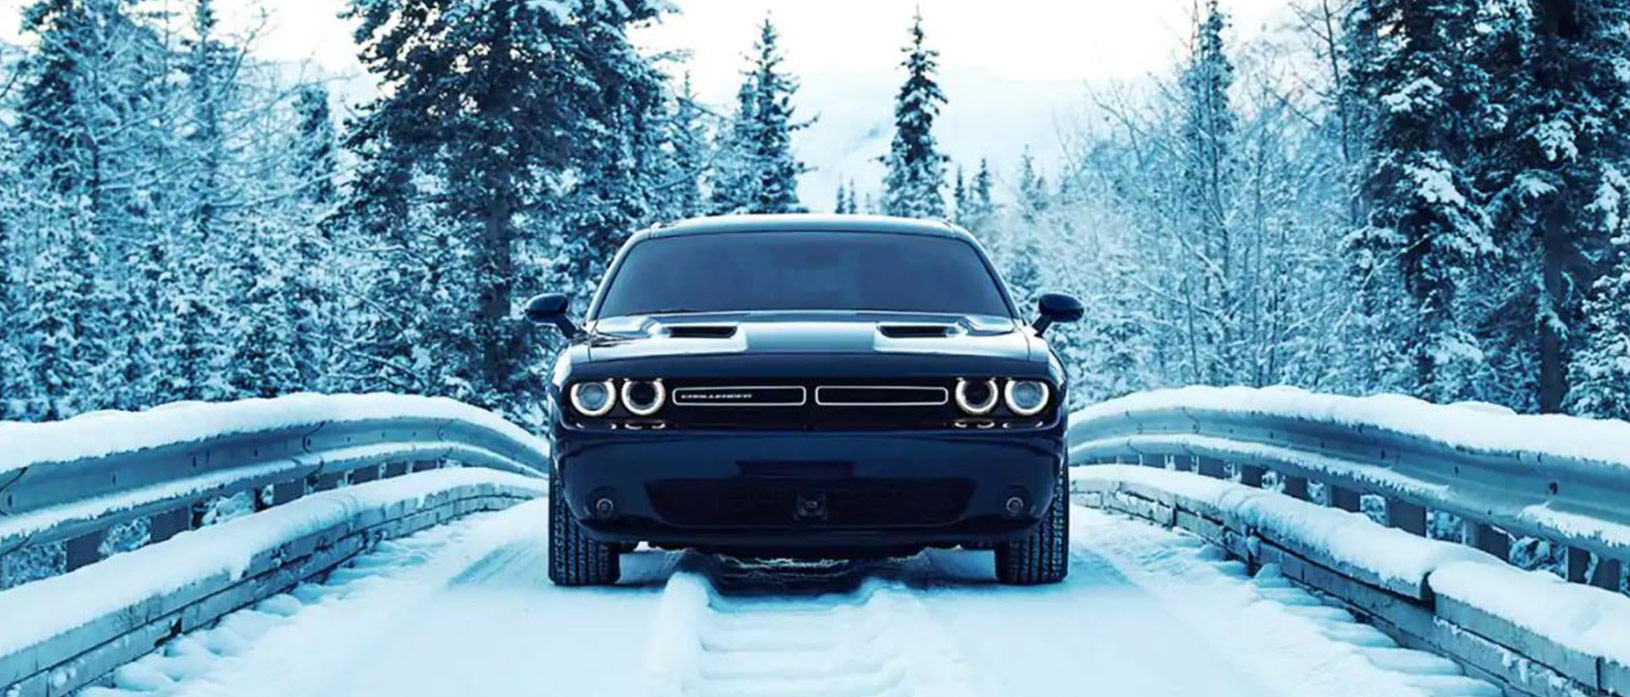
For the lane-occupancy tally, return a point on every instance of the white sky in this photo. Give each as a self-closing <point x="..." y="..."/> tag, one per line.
<point x="1014" y="69"/>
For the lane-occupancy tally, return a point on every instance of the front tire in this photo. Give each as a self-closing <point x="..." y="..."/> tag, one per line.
<point x="574" y="559"/>
<point x="1043" y="556"/>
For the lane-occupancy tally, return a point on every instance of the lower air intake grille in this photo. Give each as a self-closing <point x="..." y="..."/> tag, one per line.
<point x="774" y="502"/>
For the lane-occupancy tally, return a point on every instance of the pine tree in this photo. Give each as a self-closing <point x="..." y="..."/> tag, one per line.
<point x="1209" y="268"/>
<point x="689" y="152"/>
<point x="541" y="94"/>
<point x="842" y="205"/>
<point x="757" y="171"/>
<point x="1020" y="246"/>
<point x="1556" y="75"/>
<point x="1600" y="371"/>
<point x="913" y="187"/>
<point x="315" y="145"/>
<point x="207" y="354"/>
<point x="311" y="306"/>
<point x="85" y="109"/>
<point x="1425" y="209"/>
<point x="959" y="196"/>
<point x="978" y="213"/>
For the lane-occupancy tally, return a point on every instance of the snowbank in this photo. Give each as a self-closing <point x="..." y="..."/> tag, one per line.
<point x="105" y="433"/>
<point x="36" y="612"/>
<point x="1464" y="426"/>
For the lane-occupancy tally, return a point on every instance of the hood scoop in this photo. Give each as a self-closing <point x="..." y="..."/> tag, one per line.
<point x="919" y="331"/>
<point x="702" y="331"/>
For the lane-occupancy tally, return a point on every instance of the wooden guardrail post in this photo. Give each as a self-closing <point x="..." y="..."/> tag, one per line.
<point x="1296" y="487"/>
<point x="1489" y="539"/>
<point x="1344" y="498"/>
<point x="1407" y="517"/>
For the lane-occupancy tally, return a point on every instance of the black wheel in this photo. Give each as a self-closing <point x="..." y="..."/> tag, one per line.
<point x="574" y="559"/>
<point x="1044" y="556"/>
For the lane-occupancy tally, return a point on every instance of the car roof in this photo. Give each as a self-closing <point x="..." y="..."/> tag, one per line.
<point x="809" y="222"/>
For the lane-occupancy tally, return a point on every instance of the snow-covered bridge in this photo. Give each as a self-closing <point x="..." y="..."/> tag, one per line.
<point x="1232" y="541"/>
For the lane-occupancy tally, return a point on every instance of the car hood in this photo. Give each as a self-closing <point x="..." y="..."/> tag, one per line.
<point x="809" y="333"/>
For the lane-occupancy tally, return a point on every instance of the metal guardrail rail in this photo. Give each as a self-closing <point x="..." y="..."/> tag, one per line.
<point x="167" y="466"/>
<point x="1498" y="495"/>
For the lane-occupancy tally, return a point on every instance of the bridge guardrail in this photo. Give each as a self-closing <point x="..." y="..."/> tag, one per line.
<point x="1452" y="477"/>
<point x="1569" y="485"/>
<point x="74" y="491"/>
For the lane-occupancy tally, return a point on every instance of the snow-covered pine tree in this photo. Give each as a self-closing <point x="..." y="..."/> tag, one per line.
<point x="842" y="205"/>
<point x="1425" y="209"/>
<point x="778" y="168"/>
<point x="227" y="342"/>
<point x="690" y="155"/>
<point x="756" y="170"/>
<point x="1556" y="72"/>
<point x="733" y="179"/>
<point x="854" y="200"/>
<point x="1019" y="246"/>
<point x="1600" y="370"/>
<point x="978" y="213"/>
<point x="313" y="321"/>
<point x="1207" y="267"/>
<point x="959" y="195"/>
<point x="539" y="99"/>
<point x="86" y="105"/>
<point x="915" y="182"/>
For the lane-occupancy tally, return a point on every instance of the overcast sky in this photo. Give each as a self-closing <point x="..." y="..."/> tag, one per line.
<point x="1014" y="69"/>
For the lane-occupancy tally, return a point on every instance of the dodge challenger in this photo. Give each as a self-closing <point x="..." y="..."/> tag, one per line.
<point x="806" y="387"/>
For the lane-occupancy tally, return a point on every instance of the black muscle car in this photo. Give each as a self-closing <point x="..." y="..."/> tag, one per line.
<point x="806" y="387"/>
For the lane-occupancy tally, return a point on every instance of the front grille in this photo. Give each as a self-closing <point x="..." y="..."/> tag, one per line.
<point x="881" y="396"/>
<point x="776" y="502"/>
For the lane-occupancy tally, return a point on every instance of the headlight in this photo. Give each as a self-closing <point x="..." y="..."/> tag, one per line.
<point x="644" y="397"/>
<point x="976" y="397"/>
<point x="593" y="398"/>
<point x="1026" y="397"/>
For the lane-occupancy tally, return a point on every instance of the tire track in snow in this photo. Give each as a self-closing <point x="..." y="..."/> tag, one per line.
<point x="846" y="636"/>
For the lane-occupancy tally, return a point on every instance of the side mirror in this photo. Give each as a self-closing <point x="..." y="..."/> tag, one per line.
<point x="552" y="308"/>
<point x="1056" y="307"/>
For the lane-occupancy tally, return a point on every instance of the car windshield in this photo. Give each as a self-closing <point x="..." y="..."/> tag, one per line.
<point x="745" y="271"/>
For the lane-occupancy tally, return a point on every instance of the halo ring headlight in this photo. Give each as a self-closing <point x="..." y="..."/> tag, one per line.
<point x="585" y="403"/>
<point x="1026" y="397"/>
<point x="659" y="396"/>
<point x="970" y="407"/>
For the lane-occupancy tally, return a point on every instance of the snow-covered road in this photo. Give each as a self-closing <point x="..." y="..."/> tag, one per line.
<point x="467" y="609"/>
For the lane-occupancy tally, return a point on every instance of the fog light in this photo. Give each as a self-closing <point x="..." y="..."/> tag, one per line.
<point x="1014" y="507"/>
<point x="603" y="504"/>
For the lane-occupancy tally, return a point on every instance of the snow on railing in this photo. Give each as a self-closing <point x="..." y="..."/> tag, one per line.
<point x="1473" y="497"/>
<point x="1461" y="472"/>
<point x="75" y="491"/>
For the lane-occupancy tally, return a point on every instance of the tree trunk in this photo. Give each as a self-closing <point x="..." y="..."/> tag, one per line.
<point x="1554" y="314"/>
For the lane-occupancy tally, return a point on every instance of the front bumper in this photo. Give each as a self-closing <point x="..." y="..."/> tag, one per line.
<point x="808" y="492"/>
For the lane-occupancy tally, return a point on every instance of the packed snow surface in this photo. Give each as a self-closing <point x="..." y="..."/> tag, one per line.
<point x="1466" y="426"/>
<point x="467" y="609"/>
<point x="38" y="611"/>
<point x="105" y="433"/>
